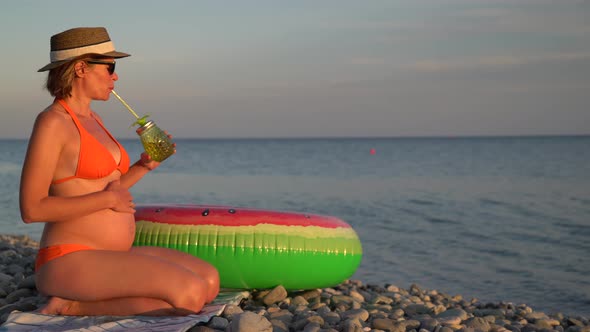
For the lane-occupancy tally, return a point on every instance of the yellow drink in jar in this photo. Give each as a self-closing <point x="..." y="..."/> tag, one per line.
<point x="155" y="142"/>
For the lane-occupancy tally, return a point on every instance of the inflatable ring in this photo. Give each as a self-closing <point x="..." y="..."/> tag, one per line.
<point x="255" y="249"/>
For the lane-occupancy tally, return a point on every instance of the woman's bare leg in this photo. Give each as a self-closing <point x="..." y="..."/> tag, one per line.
<point x="99" y="282"/>
<point x="115" y="307"/>
<point x="195" y="264"/>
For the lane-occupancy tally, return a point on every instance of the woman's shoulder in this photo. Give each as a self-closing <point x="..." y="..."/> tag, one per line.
<point x="54" y="118"/>
<point x="53" y="112"/>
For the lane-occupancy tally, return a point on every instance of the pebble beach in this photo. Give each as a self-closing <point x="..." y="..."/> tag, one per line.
<point x="351" y="306"/>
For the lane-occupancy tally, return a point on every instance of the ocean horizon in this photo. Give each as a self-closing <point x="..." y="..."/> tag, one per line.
<point x="360" y="137"/>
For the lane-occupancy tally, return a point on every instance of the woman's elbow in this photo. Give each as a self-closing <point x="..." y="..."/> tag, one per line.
<point x="28" y="214"/>
<point x="26" y="219"/>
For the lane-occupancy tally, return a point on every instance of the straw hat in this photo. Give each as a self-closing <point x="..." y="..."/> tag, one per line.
<point x="69" y="44"/>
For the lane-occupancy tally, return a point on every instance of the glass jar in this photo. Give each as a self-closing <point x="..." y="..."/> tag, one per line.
<point x="155" y="142"/>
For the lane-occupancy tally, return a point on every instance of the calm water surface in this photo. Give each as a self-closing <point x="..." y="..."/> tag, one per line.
<point x="492" y="218"/>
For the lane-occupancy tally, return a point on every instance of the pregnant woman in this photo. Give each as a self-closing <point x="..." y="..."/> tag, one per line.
<point x="76" y="179"/>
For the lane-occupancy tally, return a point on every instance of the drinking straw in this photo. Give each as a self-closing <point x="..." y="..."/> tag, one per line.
<point x="125" y="104"/>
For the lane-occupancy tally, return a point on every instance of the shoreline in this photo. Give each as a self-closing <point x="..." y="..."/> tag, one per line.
<point x="350" y="306"/>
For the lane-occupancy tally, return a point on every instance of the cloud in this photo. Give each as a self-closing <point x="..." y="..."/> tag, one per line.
<point x="367" y="61"/>
<point x="494" y="62"/>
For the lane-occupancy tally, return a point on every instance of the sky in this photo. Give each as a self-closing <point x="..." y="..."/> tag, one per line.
<point x="318" y="68"/>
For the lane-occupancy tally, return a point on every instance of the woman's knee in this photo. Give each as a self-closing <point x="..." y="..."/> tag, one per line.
<point x="212" y="276"/>
<point x="192" y="295"/>
<point x="213" y="288"/>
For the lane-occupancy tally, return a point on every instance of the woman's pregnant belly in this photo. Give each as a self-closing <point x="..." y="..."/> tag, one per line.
<point x="105" y="229"/>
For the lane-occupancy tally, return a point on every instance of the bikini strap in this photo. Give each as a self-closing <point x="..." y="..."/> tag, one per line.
<point x="81" y="132"/>
<point x="70" y="112"/>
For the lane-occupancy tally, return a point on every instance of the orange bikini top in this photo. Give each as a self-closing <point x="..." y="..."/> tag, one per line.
<point x="94" y="160"/>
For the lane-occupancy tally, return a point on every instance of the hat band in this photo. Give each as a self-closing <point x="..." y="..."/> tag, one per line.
<point x="101" y="48"/>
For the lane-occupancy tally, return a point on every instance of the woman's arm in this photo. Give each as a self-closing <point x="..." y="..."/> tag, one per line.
<point x="36" y="205"/>
<point x="140" y="168"/>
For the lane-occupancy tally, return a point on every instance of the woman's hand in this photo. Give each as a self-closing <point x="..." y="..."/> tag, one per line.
<point x="123" y="199"/>
<point x="146" y="161"/>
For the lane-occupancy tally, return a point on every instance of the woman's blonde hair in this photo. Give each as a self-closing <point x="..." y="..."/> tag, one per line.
<point x="60" y="79"/>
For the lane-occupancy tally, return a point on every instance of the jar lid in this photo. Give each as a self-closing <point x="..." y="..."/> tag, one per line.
<point x="146" y="126"/>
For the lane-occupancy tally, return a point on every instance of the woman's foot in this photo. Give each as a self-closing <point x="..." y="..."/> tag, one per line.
<point x="57" y="306"/>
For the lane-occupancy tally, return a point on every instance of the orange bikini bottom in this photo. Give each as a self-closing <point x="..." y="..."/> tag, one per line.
<point x="52" y="252"/>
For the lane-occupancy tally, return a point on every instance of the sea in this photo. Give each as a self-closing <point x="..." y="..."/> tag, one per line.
<point x="492" y="218"/>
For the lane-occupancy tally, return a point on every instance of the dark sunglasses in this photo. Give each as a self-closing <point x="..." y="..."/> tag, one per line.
<point x="111" y="64"/>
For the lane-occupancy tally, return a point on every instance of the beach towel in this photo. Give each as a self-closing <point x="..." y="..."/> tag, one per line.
<point x="31" y="321"/>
